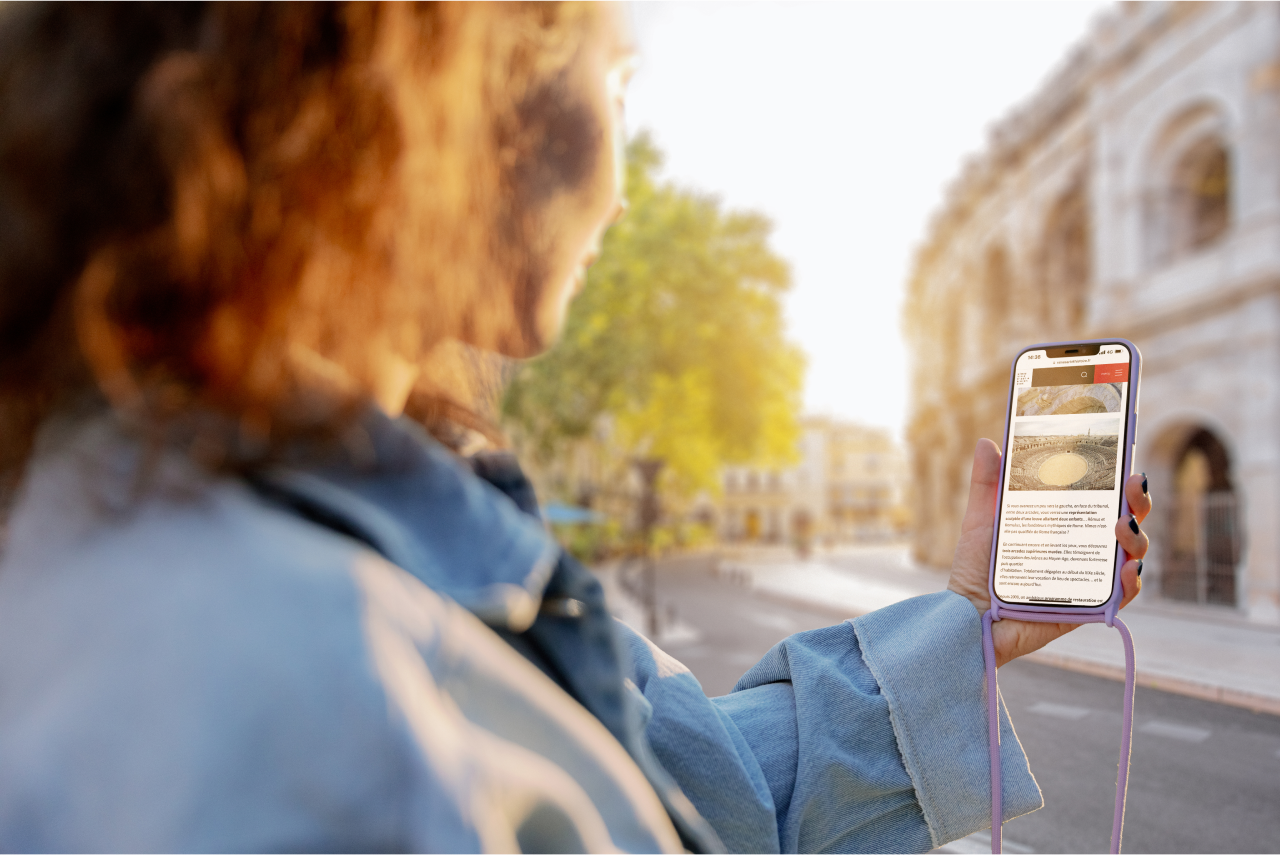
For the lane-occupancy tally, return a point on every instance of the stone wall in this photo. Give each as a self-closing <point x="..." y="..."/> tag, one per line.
<point x="1136" y="195"/>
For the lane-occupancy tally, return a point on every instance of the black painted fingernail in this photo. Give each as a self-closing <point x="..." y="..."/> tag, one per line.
<point x="1139" y="568"/>
<point x="1133" y="524"/>
<point x="1144" y="483"/>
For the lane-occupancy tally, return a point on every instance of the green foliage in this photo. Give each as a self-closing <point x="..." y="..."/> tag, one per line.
<point x="677" y="338"/>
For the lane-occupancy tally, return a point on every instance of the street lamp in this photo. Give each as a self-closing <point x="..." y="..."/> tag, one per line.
<point x="648" y="468"/>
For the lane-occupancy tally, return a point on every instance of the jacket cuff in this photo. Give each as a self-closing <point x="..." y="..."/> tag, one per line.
<point x="926" y="654"/>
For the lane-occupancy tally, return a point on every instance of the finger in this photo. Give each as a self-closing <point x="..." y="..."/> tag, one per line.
<point x="1135" y="490"/>
<point x="1014" y="638"/>
<point x="984" y="483"/>
<point x="1132" y="537"/>
<point x="1130" y="581"/>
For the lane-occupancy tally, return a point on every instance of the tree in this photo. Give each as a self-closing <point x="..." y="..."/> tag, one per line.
<point x="676" y="341"/>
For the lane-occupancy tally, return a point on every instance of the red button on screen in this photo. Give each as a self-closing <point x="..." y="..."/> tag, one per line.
<point x="1116" y="372"/>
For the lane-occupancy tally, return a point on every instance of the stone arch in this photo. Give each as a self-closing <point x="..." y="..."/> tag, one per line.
<point x="1189" y="194"/>
<point x="1202" y="523"/>
<point x="997" y="294"/>
<point x="948" y="340"/>
<point x="1072" y="400"/>
<point x="1066" y="262"/>
<point x="1200" y="195"/>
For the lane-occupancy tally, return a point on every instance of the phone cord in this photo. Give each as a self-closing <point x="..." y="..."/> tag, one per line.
<point x="993" y="715"/>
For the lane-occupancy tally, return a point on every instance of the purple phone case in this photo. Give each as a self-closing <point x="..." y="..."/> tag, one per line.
<point x="1110" y="607"/>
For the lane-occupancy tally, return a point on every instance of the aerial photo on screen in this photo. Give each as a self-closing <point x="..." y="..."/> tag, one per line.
<point x="1072" y="400"/>
<point x="1065" y="453"/>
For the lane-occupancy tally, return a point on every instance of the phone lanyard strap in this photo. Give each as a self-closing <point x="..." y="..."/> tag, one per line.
<point x="993" y="713"/>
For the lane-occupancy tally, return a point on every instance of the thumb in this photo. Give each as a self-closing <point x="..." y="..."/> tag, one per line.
<point x="984" y="485"/>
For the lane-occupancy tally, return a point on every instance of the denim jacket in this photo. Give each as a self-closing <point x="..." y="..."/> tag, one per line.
<point x="386" y="652"/>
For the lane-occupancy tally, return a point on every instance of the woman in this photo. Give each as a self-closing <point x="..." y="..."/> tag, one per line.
<point x="244" y="604"/>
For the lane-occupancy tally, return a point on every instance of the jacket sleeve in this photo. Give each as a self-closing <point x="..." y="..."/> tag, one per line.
<point x="865" y="736"/>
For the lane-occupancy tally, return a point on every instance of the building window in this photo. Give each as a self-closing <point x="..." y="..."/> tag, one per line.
<point x="948" y="338"/>
<point x="1200" y="200"/>
<point x="996" y="292"/>
<point x="1066" y="263"/>
<point x="1188" y="197"/>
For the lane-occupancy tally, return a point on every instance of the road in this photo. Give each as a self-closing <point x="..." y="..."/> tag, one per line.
<point x="1204" y="777"/>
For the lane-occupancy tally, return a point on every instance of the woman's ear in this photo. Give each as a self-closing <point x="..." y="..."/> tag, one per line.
<point x="393" y="379"/>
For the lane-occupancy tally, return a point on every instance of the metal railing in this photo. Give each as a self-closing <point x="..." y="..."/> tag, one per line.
<point x="1205" y="544"/>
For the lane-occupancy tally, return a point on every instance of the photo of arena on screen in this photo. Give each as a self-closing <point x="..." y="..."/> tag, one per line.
<point x="1072" y="400"/>
<point x="1064" y="453"/>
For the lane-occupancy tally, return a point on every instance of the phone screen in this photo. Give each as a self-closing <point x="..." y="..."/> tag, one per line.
<point x="1062" y="478"/>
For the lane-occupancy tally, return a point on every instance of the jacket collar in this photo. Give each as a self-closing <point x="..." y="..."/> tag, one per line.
<point x="423" y="509"/>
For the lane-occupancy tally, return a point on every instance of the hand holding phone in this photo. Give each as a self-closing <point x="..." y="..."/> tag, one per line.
<point x="1069" y="439"/>
<point x="1044" y="509"/>
<point x="972" y="562"/>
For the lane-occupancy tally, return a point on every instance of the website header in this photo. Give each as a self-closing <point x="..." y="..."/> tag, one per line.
<point x="1080" y="375"/>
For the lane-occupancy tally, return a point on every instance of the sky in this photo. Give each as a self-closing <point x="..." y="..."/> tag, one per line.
<point x="1067" y="425"/>
<point x="843" y="123"/>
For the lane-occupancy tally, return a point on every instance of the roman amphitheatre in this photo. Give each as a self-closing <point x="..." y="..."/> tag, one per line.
<point x="1072" y="400"/>
<point x="1063" y="463"/>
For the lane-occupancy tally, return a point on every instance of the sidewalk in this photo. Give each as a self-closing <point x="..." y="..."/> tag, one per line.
<point x="1207" y="654"/>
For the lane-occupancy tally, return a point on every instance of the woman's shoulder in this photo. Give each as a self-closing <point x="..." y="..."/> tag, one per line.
<point x="192" y="574"/>
<point x="191" y="654"/>
<point x="213" y="668"/>
<point x="99" y="520"/>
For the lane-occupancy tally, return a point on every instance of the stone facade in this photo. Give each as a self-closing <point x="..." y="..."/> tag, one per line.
<point x="849" y="485"/>
<point x="1136" y="195"/>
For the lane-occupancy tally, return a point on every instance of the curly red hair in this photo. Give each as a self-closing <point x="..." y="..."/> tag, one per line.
<point x="192" y="195"/>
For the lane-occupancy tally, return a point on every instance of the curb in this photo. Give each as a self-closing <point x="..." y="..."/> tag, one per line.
<point x="1251" y="701"/>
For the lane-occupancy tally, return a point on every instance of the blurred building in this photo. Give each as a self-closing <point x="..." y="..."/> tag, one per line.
<point x="849" y="485"/>
<point x="1137" y="195"/>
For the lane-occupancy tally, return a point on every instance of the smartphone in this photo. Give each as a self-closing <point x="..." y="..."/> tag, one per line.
<point x="1068" y="448"/>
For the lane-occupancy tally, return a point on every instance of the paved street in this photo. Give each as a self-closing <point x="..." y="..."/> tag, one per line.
<point x="1205" y="777"/>
<point x="1201" y="652"/>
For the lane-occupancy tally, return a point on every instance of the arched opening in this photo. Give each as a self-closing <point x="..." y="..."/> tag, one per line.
<point x="948" y="339"/>
<point x="996" y="292"/>
<point x="1188" y="193"/>
<point x="1200" y="198"/>
<point x="1204" y="539"/>
<point x="752" y="524"/>
<point x="1066" y="264"/>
